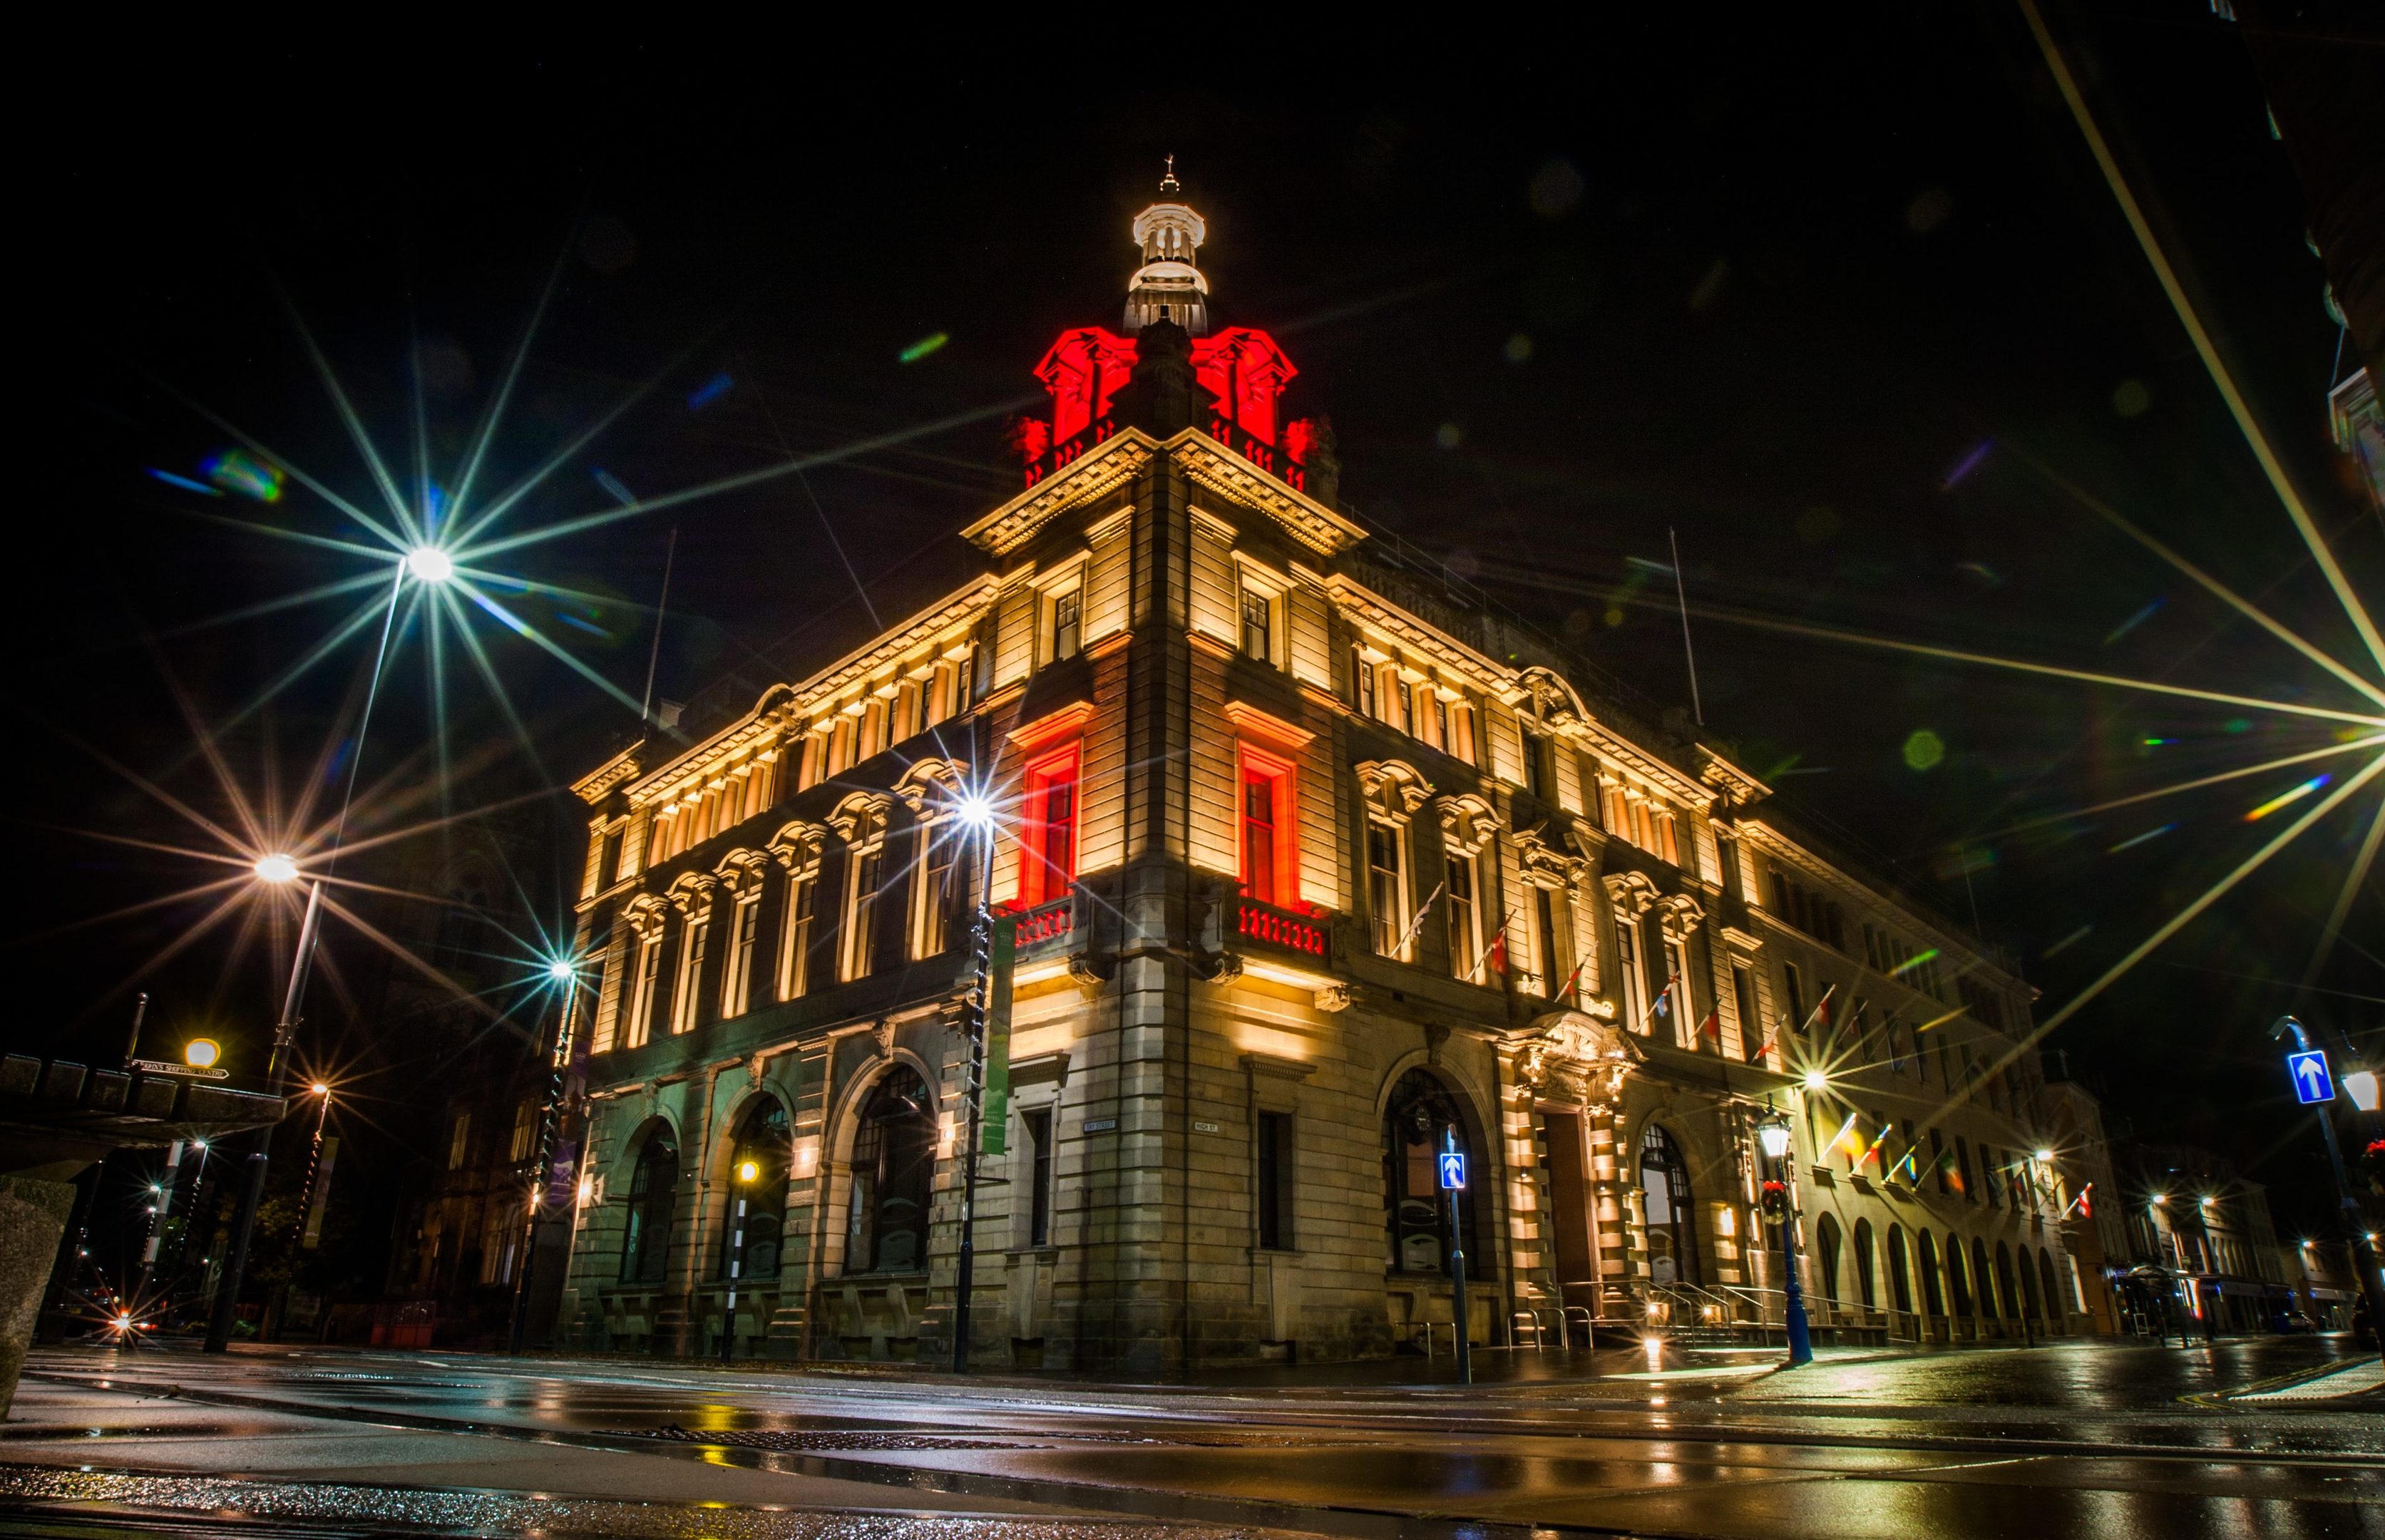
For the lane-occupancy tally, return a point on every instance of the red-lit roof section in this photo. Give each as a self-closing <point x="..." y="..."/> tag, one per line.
<point x="1082" y="370"/>
<point x="1247" y="371"/>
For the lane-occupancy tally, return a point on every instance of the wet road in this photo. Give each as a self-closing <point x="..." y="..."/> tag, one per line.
<point x="2074" y="1438"/>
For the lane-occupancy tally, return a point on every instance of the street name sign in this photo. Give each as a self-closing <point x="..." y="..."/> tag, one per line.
<point x="188" y="1071"/>
<point x="1453" y="1170"/>
<point x="2308" y="1071"/>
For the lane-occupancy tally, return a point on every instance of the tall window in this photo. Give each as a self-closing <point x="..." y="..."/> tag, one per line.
<point x="1258" y="836"/>
<point x="1677" y="978"/>
<point x="1067" y="624"/>
<point x="1047" y="857"/>
<point x="795" y="934"/>
<point x="894" y="1162"/>
<point x="1793" y="989"/>
<point x="1275" y="1168"/>
<point x="654" y="1187"/>
<point x="524" y="1141"/>
<point x="1441" y="726"/>
<point x="862" y="875"/>
<point x="1672" y="1212"/>
<point x="1364" y="673"/>
<point x="1751" y="1026"/>
<point x="744" y="930"/>
<point x="1536" y="770"/>
<point x="1548" y="948"/>
<point x="765" y="1139"/>
<point x="1465" y="918"/>
<point x="933" y="896"/>
<point x="1631" y="979"/>
<point x="1387" y="897"/>
<point x="1038" y="1125"/>
<point x="695" y="934"/>
<point x="1258" y="625"/>
<point x="459" y="1141"/>
<point x="1407" y="705"/>
<point x="1420" y="1119"/>
<point x="642" y="996"/>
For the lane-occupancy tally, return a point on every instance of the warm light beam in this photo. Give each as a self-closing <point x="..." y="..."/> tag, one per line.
<point x="2372" y="741"/>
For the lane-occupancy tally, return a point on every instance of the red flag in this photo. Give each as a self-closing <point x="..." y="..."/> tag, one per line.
<point x="1712" y="1025"/>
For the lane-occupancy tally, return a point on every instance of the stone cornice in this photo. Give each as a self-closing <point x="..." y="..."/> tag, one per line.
<point x="593" y="787"/>
<point x="1212" y="465"/>
<point x="1361" y="602"/>
<point x="1091" y="475"/>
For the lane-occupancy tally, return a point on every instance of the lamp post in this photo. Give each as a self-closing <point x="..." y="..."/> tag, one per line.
<point x="746" y="1172"/>
<point x="1774" y="1133"/>
<point x="977" y="813"/>
<point x="272" y="869"/>
<point x="564" y="974"/>
<point x="2356" y="1229"/>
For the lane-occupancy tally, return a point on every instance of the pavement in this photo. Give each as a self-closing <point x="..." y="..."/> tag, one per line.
<point x="2270" y="1437"/>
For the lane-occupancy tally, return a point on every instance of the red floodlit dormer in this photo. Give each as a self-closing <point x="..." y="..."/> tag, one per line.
<point x="1241" y="367"/>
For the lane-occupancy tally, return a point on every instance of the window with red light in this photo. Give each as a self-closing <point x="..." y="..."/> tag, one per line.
<point x="1047" y="857"/>
<point x="1270" y="860"/>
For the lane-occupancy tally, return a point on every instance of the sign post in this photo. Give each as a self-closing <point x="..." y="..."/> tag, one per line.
<point x="2314" y="1086"/>
<point x="1453" y="1182"/>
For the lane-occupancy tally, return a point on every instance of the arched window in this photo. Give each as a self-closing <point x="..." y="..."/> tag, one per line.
<point x="1867" y="1283"/>
<point x="1899" y="1278"/>
<point x="1672" y="1210"/>
<point x="2029" y="1288"/>
<point x="765" y="1139"/>
<point x="1932" y="1300"/>
<point x="1420" y="1119"/>
<point x="2056" y="1303"/>
<point x="1959" y="1283"/>
<point x="893" y="1170"/>
<point x="653" y="1188"/>
<point x="1826" y="1252"/>
<point x="2007" y="1302"/>
<point x="1982" y="1281"/>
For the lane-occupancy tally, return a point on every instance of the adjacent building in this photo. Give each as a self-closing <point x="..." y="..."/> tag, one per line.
<point x="1320" y="869"/>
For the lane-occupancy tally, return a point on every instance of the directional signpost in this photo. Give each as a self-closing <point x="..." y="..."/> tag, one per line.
<point x="1453" y="1171"/>
<point x="2312" y="1082"/>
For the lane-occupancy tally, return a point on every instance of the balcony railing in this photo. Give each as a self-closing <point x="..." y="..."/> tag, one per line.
<point x="1260" y="452"/>
<point x="1286" y="930"/>
<point x="1065" y="453"/>
<point x="1046" y="927"/>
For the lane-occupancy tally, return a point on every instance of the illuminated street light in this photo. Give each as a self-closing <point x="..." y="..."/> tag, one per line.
<point x="2044" y="1155"/>
<point x="201" y="1053"/>
<point x="1772" y="1132"/>
<point x="430" y="564"/>
<point x="276" y="868"/>
<point x="2360" y="1086"/>
<point x="319" y="1089"/>
<point x="1817" y="1081"/>
<point x="561" y="971"/>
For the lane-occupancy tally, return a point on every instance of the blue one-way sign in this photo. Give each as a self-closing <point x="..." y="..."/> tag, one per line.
<point x="2312" y="1082"/>
<point x="1453" y="1170"/>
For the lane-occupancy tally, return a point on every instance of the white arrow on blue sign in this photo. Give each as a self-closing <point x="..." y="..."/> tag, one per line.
<point x="2312" y="1082"/>
<point x="1453" y="1170"/>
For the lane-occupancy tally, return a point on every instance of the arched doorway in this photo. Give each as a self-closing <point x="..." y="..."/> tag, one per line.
<point x="1982" y="1281"/>
<point x="2028" y="1305"/>
<point x="893" y="1167"/>
<point x="1419" y="1117"/>
<point x="1933" y="1300"/>
<point x="2007" y="1302"/>
<point x="1825" y="1253"/>
<point x="1958" y="1281"/>
<point x="1866" y="1281"/>
<point x="1900" y="1279"/>
<point x="654" y="1192"/>
<point x="766" y="1140"/>
<point x="1671" y="1209"/>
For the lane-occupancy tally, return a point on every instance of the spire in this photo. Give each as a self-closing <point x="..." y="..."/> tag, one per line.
<point x="1168" y="286"/>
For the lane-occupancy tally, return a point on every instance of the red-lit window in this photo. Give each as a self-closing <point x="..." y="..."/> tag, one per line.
<point x="1270" y="859"/>
<point x="1047" y="857"/>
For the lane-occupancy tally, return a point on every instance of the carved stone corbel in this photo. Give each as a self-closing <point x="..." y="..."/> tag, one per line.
<point x="1334" y="997"/>
<point x="1678" y="916"/>
<point x="1631" y="892"/>
<point x="1227" y="969"/>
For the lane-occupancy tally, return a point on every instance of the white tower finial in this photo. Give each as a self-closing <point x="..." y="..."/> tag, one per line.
<point x="1168" y="286"/>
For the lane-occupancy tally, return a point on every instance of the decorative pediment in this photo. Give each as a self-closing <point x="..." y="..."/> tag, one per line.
<point x="1392" y="789"/>
<point x="692" y="895"/>
<point x="1678" y="914"/>
<point x="861" y="818"/>
<point x="797" y="847"/>
<point x="1548" y="697"/>
<point x="1468" y="825"/>
<point x="1567" y="1054"/>
<point x="930" y="788"/>
<point x="1631" y="892"/>
<point x="1543" y="865"/>
<point x="741" y="871"/>
<point x="645" y="915"/>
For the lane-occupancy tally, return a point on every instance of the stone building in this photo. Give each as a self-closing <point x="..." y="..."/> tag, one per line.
<point x="1319" y="865"/>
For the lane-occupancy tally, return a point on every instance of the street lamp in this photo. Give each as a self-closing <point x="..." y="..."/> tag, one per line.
<point x="2356" y="1229"/>
<point x="1773" y="1133"/>
<point x="430" y="564"/>
<point x="2360" y="1086"/>
<point x="201" y="1053"/>
<point x="278" y="869"/>
<point x="975" y="812"/>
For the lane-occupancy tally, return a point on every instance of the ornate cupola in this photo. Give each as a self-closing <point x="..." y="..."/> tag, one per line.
<point x="1168" y="286"/>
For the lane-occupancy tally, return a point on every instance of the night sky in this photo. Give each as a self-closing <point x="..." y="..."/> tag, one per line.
<point x="1835" y="295"/>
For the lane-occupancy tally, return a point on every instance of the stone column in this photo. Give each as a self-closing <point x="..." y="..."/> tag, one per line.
<point x="32" y="1219"/>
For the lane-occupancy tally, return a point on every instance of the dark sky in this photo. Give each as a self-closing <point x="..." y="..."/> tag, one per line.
<point x="1770" y="284"/>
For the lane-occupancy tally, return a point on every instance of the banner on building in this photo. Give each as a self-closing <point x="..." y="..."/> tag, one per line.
<point x="322" y="1193"/>
<point x="560" y="1174"/>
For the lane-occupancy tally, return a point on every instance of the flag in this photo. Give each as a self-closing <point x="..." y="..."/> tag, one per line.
<point x="1766" y="1045"/>
<point x="1874" y="1151"/>
<point x="1664" y="1002"/>
<point x="1822" y="1012"/>
<point x="1573" y="983"/>
<point x="1712" y="1025"/>
<point x="1911" y="1172"/>
<point x="1844" y="1129"/>
<point x="1418" y="923"/>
